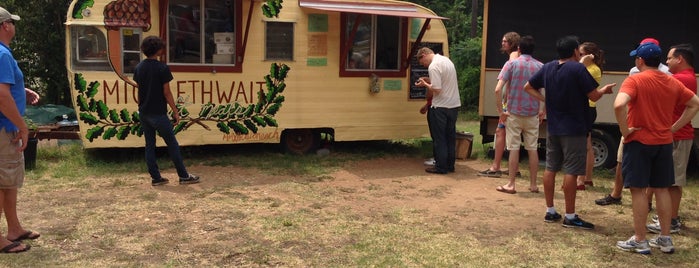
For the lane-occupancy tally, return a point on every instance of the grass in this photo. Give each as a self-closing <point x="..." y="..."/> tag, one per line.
<point x="95" y="209"/>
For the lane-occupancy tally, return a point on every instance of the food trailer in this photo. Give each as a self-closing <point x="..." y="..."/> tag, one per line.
<point x="251" y="71"/>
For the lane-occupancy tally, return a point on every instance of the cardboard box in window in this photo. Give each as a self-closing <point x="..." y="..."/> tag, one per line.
<point x="225" y="48"/>
<point x="223" y="38"/>
<point x="223" y="59"/>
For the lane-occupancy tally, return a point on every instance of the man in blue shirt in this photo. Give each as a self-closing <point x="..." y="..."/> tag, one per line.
<point x="14" y="135"/>
<point x="568" y="87"/>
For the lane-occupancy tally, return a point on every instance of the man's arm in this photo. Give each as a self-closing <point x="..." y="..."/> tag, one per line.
<point x="689" y="112"/>
<point x="534" y="92"/>
<point x="32" y="96"/>
<point x="9" y="109"/>
<point x="597" y="93"/>
<point x="498" y="95"/>
<point x="620" y="111"/>
<point x="171" y="102"/>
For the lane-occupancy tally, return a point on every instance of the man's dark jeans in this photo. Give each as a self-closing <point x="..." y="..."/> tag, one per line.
<point x="442" y="123"/>
<point x="161" y="123"/>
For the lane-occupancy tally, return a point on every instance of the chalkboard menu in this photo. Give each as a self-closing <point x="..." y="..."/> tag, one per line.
<point x="417" y="70"/>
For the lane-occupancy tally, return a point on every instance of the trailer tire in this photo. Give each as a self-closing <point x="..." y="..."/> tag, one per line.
<point x="604" y="148"/>
<point x="300" y="141"/>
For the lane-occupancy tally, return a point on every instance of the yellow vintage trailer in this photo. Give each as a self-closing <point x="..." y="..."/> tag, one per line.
<point x="250" y="71"/>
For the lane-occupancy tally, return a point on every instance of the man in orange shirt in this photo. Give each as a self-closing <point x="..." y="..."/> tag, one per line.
<point x="647" y="128"/>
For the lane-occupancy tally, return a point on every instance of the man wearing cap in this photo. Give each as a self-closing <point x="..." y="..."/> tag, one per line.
<point x="615" y="196"/>
<point x="647" y="128"/>
<point x="662" y="67"/>
<point x="680" y="60"/>
<point x="443" y="85"/>
<point x="13" y="137"/>
<point x="568" y="87"/>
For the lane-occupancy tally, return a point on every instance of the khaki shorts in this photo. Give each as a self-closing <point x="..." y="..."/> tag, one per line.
<point x="11" y="162"/>
<point x="680" y="158"/>
<point x="620" y="151"/>
<point x="522" y="127"/>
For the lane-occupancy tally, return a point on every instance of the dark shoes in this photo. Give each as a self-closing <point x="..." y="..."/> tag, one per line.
<point x="608" y="200"/>
<point x="435" y="171"/>
<point x="577" y="222"/>
<point x="191" y="179"/>
<point x="490" y="173"/>
<point x="160" y="181"/>
<point x="552" y="217"/>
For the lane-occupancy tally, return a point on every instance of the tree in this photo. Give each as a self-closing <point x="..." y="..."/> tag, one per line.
<point x="465" y="47"/>
<point x="39" y="47"/>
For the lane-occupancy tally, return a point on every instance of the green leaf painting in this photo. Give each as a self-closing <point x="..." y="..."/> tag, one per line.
<point x="230" y="118"/>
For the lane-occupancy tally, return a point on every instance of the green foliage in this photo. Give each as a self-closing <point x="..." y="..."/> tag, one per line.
<point x="39" y="47"/>
<point x="272" y="8"/>
<point x="110" y="123"/>
<point x="80" y="6"/>
<point x="465" y="49"/>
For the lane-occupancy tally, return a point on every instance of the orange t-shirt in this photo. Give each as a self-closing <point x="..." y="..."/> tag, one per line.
<point x="654" y="95"/>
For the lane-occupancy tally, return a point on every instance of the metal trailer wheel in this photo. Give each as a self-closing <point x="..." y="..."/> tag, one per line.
<point x="604" y="148"/>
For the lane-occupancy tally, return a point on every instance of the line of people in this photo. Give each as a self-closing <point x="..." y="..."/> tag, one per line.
<point x="654" y="150"/>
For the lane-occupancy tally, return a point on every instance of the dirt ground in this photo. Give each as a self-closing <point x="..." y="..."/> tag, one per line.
<point x="376" y="184"/>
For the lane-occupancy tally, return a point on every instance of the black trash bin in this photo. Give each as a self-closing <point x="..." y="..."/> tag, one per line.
<point x="30" y="154"/>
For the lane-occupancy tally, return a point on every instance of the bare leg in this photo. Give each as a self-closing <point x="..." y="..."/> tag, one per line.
<point x="618" y="182"/>
<point x="549" y="180"/>
<point x="676" y="197"/>
<point x="533" y="169"/>
<point x="589" y="163"/>
<point x="14" y="228"/>
<point x="662" y="205"/>
<point x="640" y="212"/>
<point x="499" y="148"/>
<point x="569" y="192"/>
<point x="649" y="197"/>
<point x="513" y="163"/>
<point x="10" y="209"/>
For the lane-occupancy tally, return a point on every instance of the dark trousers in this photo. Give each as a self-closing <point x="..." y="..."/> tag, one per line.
<point x="160" y="124"/>
<point x="442" y="123"/>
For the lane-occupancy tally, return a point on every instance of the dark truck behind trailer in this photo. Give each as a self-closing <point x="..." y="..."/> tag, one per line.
<point x="616" y="26"/>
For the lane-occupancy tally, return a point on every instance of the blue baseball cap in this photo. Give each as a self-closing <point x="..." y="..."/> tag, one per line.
<point x="646" y="50"/>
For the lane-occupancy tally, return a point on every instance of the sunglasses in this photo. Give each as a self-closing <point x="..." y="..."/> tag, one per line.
<point x="10" y="22"/>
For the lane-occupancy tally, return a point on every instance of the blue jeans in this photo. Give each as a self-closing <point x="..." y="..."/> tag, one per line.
<point x="442" y="123"/>
<point x="161" y="123"/>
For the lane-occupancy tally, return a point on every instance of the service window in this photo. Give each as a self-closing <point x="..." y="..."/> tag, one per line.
<point x="279" y="41"/>
<point x="130" y="52"/>
<point x="202" y="32"/>
<point x="89" y="46"/>
<point x="375" y="46"/>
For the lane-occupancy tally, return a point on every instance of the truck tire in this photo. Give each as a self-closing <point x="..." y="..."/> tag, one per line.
<point x="604" y="147"/>
<point x="300" y="141"/>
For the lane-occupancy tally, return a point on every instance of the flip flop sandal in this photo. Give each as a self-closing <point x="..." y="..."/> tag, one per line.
<point x="26" y="236"/>
<point x="7" y="248"/>
<point x="507" y="191"/>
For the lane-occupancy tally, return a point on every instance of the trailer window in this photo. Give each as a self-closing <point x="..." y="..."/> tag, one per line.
<point x="279" y="41"/>
<point x="202" y="32"/>
<point x="375" y="45"/>
<point x="131" y="53"/>
<point x="89" y="49"/>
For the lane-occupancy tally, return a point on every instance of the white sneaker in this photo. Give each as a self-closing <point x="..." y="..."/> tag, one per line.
<point x="664" y="243"/>
<point x="430" y="162"/>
